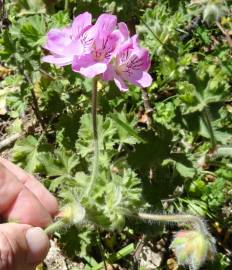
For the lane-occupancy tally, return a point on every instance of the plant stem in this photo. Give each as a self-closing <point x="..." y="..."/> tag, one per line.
<point x="54" y="227"/>
<point x="147" y="107"/>
<point x="101" y="248"/>
<point x="95" y="139"/>
<point x="206" y="119"/>
<point x="66" y="5"/>
<point x="10" y="140"/>
<point x="195" y="221"/>
<point x="225" y="33"/>
<point x="35" y="105"/>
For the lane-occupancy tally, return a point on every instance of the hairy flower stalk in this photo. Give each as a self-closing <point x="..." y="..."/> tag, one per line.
<point x="95" y="139"/>
<point x="195" y="221"/>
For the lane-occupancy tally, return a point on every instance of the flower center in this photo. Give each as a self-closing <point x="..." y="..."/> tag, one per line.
<point x="120" y="68"/>
<point x="98" y="55"/>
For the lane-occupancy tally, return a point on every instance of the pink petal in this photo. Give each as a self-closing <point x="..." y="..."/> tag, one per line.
<point x="135" y="69"/>
<point x="87" y="66"/>
<point x="120" y="83"/>
<point x="106" y="23"/>
<point x="136" y="63"/>
<point x="145" y="80"/>
<point x="124" y="51"/>
<point x="59" y="61"/>
<point x="124" y="30"/>
<point x="57" y="39"/>
<point x="80" y="23"/>
<point x="87" y="39"/>
<point x="105" y="44"/>
<point x="143" y="56"/>
<point x="74" y="48"/>
<point x="135" y="40"/>
<point x="109" y="74"/>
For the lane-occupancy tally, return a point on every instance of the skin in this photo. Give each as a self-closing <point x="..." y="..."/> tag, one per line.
<point x="24" y="200"/>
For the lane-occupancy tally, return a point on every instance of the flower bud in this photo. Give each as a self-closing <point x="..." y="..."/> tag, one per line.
<point x="212" y="13"/>
<point x="72" y="213"/>
<point x="192" y="248"/>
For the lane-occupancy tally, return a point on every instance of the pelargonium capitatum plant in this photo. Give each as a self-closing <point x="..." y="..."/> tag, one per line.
<point x="105" y="50"/>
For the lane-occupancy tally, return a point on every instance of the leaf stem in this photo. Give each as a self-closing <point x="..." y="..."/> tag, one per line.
<point x="95" y="139"/>
<point x="152" y="32"/>
<point x="157" y="38"/>
<point x="147" y="107"/>
<point x="206" y="119"/>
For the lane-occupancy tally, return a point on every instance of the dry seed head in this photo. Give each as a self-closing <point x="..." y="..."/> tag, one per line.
<point x="72" y="213"/>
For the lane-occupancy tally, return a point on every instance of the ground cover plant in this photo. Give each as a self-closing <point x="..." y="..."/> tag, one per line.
<point x="123" y="111"/>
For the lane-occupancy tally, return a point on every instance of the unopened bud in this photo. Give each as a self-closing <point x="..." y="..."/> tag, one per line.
<point x="212" y="13"/>
<point x="192" y="248"/>
<point x="72" y="213"/>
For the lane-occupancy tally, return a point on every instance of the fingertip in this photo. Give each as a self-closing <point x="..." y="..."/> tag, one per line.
<point x="54" y="207"/>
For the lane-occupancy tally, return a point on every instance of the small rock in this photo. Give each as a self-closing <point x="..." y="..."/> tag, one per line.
<point x="150" y="259"/>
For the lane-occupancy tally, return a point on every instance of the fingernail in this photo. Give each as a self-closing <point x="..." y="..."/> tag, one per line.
<point x="38" y="244"/>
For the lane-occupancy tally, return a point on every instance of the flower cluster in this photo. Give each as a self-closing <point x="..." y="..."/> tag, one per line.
<point x="104" y="48"/>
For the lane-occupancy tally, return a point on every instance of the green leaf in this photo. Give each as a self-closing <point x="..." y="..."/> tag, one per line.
<point x="224" y="152"/>
<point x="184" y="170"/>
<point x="126" y="127"/>
<point x="182" y="165"/>
<point x="106" y="136"/>
<point x="59" y="19"/>
<point x="26" y="152"/>
<point x="33" y="30"/>
<point x="59" y="163"/>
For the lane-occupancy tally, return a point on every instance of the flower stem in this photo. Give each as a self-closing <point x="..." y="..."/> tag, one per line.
<point x="195" y="221"/>
<point x="54" y="227"/>
<point x="95" y="139"/>
<point x="66" y="5"/>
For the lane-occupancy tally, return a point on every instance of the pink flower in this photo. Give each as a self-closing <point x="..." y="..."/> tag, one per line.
<point x="104" y="48"/>
<point x="65" y="43"/>
<point x="102" y="42"/>
<point x="130" y="64"/>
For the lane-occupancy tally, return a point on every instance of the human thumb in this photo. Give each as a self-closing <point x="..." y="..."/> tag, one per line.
<point x="22" y="246"/>
<point x="38" y="245"/>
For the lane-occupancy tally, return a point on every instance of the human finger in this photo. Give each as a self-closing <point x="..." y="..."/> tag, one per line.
<point x="18" y="203"/>
<point x="44" y="196"/>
